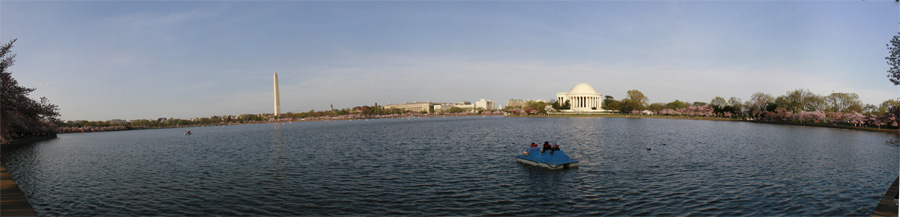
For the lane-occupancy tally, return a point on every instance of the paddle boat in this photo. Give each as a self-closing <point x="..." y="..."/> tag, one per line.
<point x="558" y="160"/>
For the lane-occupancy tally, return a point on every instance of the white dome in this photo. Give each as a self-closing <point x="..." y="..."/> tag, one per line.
<point x="583" y="88"/>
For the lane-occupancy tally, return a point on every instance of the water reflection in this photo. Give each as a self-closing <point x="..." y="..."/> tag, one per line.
<point x="278" y="148"/>
<point x="581" y="129"/>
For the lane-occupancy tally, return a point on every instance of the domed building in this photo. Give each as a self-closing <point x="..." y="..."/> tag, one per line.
<point x="582" y="98"/>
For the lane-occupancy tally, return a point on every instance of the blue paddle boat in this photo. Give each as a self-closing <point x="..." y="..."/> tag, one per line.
<point x="555" y="161"/>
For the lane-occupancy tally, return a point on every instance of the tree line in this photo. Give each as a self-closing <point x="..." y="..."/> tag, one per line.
<point x="359" y="112"/>
<point x="798" y="105"/>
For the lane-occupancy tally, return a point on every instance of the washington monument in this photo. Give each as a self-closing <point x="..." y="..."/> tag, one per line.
<point x="277" y="103"/>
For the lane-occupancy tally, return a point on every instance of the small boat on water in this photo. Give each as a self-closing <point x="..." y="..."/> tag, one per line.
<point x="558" y="160"/>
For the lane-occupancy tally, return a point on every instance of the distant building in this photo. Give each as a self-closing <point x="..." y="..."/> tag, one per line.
<point x="582" y="98"/>
<point x="426" y="106"/>
<point x="117" y="121"/>
<point x="468" y="106"/>
<point x="443" y="107"/>
<point x="485" y="104"/>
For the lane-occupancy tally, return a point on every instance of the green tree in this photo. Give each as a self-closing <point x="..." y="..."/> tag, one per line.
<point x="887" y="105"/>
<point x="456" y="110"/>
<point x="610" y="103"/>
<point x="758" y="103"/>
<point x="699" y="104"/>
<point x="656" y="107"/>
<point x="677" y="105"/>
<point x="843" y="102"/>
<point x="815" y="102"/>
<point x="345" y="111"/>
<point x="737" y="106"/>
<point x="562" y="105"/>
<point x="718" y="103"/>
<point x="801" y="100"/>
<point x="635" y="100"/>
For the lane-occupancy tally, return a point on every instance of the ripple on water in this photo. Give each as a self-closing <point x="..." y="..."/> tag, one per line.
<point x="459" y="166"/>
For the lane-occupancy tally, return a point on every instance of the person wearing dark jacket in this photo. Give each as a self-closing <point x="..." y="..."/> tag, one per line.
<point x="547" y="147"/>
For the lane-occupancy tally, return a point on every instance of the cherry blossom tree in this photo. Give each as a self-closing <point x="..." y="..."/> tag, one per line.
<point x="20" y="114"/>
<point x="758" y="103"/>
<point x="854" y="118"/>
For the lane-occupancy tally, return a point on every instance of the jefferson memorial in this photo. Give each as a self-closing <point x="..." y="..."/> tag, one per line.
<point x="582" y="98"/>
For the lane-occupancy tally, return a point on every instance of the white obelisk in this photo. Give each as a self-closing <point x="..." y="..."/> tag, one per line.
<point x="277" y="102"/>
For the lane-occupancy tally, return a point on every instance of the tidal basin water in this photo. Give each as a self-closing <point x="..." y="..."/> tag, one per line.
<point x="460" y="166"/>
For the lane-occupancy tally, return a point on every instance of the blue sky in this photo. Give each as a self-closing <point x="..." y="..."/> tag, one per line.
<point x="101" y="60"/>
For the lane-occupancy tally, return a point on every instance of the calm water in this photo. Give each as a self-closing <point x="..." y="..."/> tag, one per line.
<point x="460" y="166"/>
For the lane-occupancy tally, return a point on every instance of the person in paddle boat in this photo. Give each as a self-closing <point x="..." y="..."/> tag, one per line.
<point x="555" y="148"/>
<point x="547" y="147"/>
<point x="534" y="147"/>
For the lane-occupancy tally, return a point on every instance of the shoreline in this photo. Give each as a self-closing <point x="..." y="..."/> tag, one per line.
<point x="604" y="115"/>
<point x="284" y="121"/>
<point x="890" y="131"/>
<point x="20" y="142"/>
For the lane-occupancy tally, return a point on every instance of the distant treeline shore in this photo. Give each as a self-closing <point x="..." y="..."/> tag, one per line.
<point x="841" y="125"/>
<point x="101" y="126"/>
<point x="796" y="107"/>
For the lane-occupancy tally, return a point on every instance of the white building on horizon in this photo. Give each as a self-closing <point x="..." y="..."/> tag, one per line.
<point x="485" y="104"/>
<point x="582" y="98"/>
<point x="426" y="106"/>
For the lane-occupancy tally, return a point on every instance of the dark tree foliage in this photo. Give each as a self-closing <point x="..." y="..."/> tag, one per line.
<point x="20" y="115"/>
<point x="894" y="60"/>
<point x="610" y="103"/>
<point x="562" y="105"/>
<point x="635" y="100"/>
